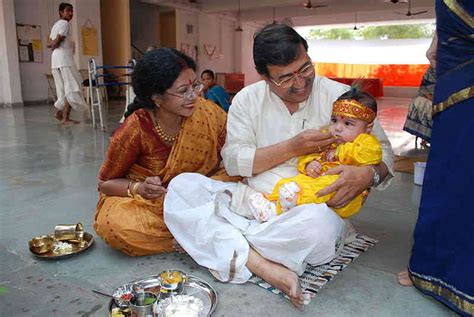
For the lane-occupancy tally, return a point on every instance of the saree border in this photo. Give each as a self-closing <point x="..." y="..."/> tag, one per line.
<point x="448" y="294"/>
<point x="455" y="98"/>
<point x="455" y="7"/>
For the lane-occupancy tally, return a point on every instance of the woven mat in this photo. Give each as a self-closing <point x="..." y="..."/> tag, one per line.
<point x="315" y="277"/>
<point x="404" y="164"/>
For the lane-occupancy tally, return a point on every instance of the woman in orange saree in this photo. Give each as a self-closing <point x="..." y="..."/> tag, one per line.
<point x="169" y="130"/>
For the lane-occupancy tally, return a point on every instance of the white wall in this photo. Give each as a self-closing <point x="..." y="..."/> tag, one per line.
<point x="84" y="10"/>
<point x="10" y="89"/>
<point x="183" y="18"/>
<point x="227" y="55"/>
<point x="144" y="24"/>
<point x="246" y="48"/>
<point x="370" y="51"/>
<point x="45" y="13"/>
<point x="33" y="81"/>
<point x="223" y="59"/>
<point x="234" y="50"/>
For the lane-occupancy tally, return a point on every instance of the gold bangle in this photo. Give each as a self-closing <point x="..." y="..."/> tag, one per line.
<point x="135" y="188"/>
<point x="129" y="193"/>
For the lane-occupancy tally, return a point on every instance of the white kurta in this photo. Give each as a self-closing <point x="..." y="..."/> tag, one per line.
<point x="197" y="212"/>
<point x="259" y="118"/>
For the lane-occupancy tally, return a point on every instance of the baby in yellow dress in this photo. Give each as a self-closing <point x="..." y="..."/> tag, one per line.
<point x="352" y="119"/>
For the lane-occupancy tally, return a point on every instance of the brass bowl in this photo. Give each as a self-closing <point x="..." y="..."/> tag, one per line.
<point x="41" y="244"/>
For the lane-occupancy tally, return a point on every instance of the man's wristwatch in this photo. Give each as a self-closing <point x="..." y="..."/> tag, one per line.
<point x="376" y="176"/>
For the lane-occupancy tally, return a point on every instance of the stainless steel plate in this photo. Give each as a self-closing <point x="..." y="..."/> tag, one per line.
<point x="194" y="286"/>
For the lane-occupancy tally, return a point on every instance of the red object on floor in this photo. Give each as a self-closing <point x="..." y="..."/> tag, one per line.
<point x="373" y="86"/>
<point x="401" y="75"/>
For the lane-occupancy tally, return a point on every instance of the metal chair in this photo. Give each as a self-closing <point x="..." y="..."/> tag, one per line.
<point x="52" y="96"/>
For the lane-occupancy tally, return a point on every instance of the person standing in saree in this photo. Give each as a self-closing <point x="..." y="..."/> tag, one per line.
<point x="442" y="260"/>
<point x="168" y="130"/>
<point x="419" y="120"/>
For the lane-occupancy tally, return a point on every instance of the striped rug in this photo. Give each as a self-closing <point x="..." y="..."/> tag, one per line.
<point x="315" y="277"/>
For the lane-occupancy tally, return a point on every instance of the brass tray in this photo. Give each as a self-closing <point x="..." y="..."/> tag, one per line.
<point x="194" y="286"/>
<point x="88" y="241"/>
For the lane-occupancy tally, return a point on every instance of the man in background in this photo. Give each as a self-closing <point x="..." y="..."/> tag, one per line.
<point x="66" y="76"/>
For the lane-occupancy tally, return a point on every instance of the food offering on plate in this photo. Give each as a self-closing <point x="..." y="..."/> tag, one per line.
<point x="196" y="297"/>
<point x="123" y="295"/>
<point x="44" y="244"/>
<point x="62" y="243"/>
<point x="121" y="312"/>
<point x="181" y="305"/>
<point x="172" y="283"/>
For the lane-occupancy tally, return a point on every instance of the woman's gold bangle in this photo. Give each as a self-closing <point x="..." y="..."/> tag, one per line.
<point x="135" y="188"/>
<point x="129" y="193"/>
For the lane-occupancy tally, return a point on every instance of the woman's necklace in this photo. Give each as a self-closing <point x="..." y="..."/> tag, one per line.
<point x="161" y="132"/>
<point x="165" y="136"/>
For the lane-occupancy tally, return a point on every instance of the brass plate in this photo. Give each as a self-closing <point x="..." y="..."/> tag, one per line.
<point x="88" y="241"/>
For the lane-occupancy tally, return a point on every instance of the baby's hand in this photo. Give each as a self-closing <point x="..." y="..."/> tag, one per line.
<point x="331" y="155"/>
<point x="313" y="169"/>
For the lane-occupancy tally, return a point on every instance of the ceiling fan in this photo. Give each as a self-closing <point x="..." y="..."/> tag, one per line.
<point x="238" y="28"/>
<point x="308" y="5"/>
<point x="409" y="13"/>
<point x="355" y="28"/>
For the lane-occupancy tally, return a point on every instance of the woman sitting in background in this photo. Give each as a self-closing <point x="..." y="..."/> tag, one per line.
<point x="169" y="130"/>
<point x="213" y="91"/>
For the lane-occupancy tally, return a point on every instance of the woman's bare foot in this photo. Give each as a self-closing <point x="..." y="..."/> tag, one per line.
<point x="404" y="278"/>
<point x="276" y="275"/>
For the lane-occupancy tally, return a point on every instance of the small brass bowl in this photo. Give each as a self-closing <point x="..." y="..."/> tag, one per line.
<point x="41" y="244"/>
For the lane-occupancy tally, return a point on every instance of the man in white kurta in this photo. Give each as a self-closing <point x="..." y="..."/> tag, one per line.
<point x="203" y="214"/>
<point x="66" y="76"/>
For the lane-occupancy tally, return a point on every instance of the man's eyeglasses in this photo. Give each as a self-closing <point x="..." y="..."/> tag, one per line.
<point x="305" y="71"/>
<point x="195" y="88"/>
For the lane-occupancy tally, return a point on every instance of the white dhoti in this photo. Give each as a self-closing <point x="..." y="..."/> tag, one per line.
<point x="68" y="87"/>
<point x="197" y="213"/>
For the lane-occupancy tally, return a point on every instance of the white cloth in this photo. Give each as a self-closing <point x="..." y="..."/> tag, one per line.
<point x="200" y="220"/>
<point x="63" y="55"/>
<point x="68" y="87"/>
<point x="259" y="118"/>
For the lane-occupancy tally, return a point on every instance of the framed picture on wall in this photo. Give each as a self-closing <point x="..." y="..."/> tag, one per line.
<point x="30" y="48"/>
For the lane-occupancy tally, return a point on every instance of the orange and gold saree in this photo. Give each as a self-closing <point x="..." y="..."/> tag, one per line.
<point x="135" y="226"/>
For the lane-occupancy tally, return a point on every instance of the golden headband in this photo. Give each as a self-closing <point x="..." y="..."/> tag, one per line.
<point x="351" y="108"/>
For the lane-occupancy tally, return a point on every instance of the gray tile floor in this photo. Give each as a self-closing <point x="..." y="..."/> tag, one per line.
<point x="47" y="176"/>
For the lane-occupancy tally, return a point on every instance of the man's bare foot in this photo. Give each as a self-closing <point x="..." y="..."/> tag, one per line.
<point x="59" y="115"/>
<point x="404" y="278"/>
<point x="278" y="276"/>
<point x="70" y="121"/>
<point x="286" y="281"/>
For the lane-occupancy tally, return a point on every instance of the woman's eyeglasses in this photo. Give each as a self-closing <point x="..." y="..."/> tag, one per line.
<point x="304" y="72"/>
<point x="194" y="89"/>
